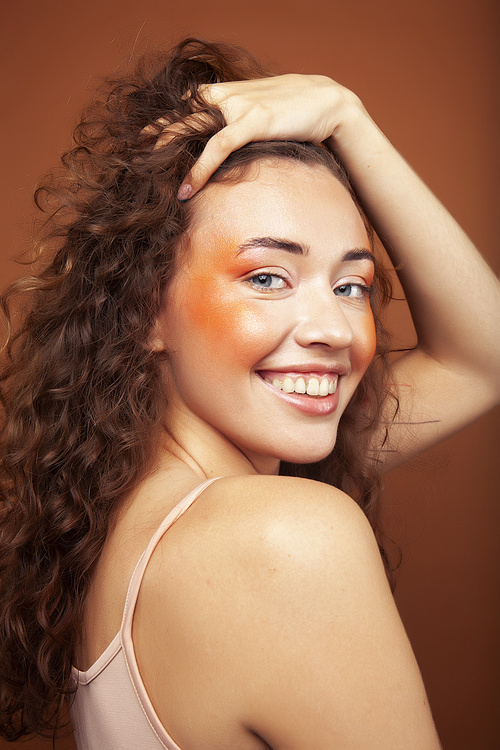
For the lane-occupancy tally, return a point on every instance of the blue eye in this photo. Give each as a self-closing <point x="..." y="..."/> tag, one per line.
<point x="268" y="281"/>
<point x="352" y="290"/>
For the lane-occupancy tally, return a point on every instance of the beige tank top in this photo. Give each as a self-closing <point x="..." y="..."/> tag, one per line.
<point x="111" y="709"/>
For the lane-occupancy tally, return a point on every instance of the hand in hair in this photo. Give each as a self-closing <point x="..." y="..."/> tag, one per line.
<point x="451" y="358"/>
<point x="288" y="107"/>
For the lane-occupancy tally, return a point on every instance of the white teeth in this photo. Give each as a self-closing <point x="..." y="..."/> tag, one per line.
<point x="300" y="385"/>
<point x="312" y="386"/>
<point x="323" y="387"/>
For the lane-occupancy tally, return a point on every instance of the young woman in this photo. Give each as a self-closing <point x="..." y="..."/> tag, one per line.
<point x="196" y="351"/>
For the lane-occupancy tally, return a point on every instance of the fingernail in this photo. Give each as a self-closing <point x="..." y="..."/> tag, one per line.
<point x="185" y="191"/>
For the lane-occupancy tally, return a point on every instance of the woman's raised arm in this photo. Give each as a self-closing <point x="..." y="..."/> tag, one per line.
<point x="453" y="374"/>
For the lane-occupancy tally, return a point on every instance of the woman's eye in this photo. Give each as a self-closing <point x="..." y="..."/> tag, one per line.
<point x="268" y="281"/>
<point x="352" y="290"/>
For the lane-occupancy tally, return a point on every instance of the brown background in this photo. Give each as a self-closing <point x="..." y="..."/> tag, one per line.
<point x="426" y="71"/>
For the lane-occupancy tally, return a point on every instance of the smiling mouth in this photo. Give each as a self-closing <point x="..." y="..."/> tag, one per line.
<point x="317" y="387"/>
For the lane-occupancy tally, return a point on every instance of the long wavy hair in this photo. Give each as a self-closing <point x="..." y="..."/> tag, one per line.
<point x="81" y="395"/>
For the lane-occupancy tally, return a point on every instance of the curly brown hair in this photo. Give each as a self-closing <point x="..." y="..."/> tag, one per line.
<point x="81" y="394"/>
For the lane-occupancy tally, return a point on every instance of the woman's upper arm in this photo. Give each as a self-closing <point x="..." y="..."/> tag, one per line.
<point x="286" y="623"/>
<point x="434" y="401"/>
<point x="331" y="664"/>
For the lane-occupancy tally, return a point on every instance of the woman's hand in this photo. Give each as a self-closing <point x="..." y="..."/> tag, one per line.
<point x="289" y="107"/>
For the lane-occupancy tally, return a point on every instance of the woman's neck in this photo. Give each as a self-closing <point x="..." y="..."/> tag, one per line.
<point x="195" y="446"/>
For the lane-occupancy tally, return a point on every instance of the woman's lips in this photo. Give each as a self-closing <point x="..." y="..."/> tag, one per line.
<point x="312" y="393"/>
<point x="312" y="384"/>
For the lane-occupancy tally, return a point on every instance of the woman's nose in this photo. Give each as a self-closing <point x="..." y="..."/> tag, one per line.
<point x="323" y="322"/>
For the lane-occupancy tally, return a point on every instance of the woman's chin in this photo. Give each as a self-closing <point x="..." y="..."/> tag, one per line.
<point x="309" y="458"/>
<point x="306" y="454"/>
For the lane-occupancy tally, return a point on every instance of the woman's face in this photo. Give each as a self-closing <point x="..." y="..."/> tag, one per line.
<point x="268" y="320"/>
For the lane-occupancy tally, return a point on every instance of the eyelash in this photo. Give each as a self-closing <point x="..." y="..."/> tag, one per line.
<point x="267" y="275"/>
<point x="366" y="290"/>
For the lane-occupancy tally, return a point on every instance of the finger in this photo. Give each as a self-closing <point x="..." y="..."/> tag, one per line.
<point x="168" y="132"/>
<point x="216" y="151"/>
<point x="196" y="121"/>
<point x="152" y="128"/>
<point x="213" y="93"/>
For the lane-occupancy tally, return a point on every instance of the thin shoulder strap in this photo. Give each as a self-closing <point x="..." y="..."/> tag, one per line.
<point x="125" y="634"/>
<point x="140" y="568"/>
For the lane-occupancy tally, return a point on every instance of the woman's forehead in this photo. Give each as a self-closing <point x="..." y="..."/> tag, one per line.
<point x="283" y="194"/>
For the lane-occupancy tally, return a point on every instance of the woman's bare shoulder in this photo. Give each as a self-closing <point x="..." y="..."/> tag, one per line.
<point x="243" y="529"/>
<point x="272" y="514"/>
<point x="297" y="511"/>
<point x="265" y="497"/>
<point x="270" y="601"/>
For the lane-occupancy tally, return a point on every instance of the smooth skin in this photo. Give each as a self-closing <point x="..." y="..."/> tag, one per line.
<point x="265" y="618"/>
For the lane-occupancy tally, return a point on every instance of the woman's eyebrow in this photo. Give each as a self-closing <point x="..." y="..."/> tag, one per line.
<point x="360" y="253"/>
<point x="275" y="243"/>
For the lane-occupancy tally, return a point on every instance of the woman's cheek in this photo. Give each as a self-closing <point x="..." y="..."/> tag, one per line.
<point x="229" y="325"/>
<point x="364" y="342"/>
<point x="368" y="344"/>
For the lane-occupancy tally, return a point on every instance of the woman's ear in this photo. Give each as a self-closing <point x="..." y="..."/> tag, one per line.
<point x="157" y="339"/>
